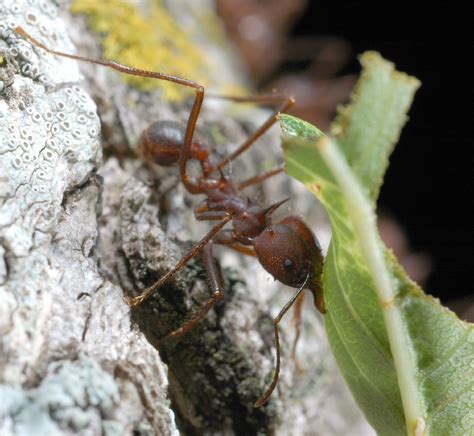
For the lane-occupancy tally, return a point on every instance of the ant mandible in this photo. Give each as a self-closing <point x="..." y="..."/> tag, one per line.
<point x="288" y="250"/>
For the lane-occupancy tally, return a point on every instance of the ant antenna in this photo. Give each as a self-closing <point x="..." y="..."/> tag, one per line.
<point x="264" y="398"/>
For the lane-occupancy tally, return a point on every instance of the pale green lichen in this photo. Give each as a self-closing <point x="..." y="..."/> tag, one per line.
<point x="74" y="397"/>
<point x="156" y="43"/>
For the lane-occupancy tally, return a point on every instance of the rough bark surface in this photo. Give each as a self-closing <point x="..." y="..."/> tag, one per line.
<point x="77" y="232"/>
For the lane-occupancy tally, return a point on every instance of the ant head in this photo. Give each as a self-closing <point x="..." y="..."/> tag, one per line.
<point x="290" y="252"/>
<point x="161" y="142"/>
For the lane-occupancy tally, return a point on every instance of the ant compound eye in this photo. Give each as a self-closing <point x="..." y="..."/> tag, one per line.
<point x="288" y="264"/>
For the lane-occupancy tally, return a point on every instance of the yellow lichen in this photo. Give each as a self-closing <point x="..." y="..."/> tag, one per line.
<point x="156" y="43"/>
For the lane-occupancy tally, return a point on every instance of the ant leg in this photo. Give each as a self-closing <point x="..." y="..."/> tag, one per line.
<point x="260" y="178"/>
<point x="285" y="103"/>
<point x="243" y="249"/>
<point x="217" y="290"/>
<point x="269" y="99"/>
<point x="202" y="212"/>
<point x="297" y="320"/>
<point x="189" y="182"/>
<point x="180" y="265"/>
<point x="226" y="237"/>
<point x="210" y="215"/>
<point x="264" y="398"/>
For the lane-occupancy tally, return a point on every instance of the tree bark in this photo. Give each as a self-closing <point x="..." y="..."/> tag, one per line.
<point x="79" y="231"/>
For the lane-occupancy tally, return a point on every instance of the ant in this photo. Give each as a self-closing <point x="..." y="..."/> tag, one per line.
<point x="288" y="250"/>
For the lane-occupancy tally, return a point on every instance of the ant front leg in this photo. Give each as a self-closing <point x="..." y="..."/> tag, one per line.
<point x="210" y="215"/>
<point x="217" y="290"/>
<point x="181" y="264"/>
<point x="226" y="237"/>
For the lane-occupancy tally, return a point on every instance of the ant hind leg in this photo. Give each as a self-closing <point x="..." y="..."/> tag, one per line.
<point x="187" y="180"/>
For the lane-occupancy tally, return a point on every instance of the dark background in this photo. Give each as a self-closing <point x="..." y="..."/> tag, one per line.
<point x="428" y="188"/>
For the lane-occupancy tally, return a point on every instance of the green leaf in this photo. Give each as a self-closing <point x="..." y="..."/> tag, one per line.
<point x="408" y="361"/>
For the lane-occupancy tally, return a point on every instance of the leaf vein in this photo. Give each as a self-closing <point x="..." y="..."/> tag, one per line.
<point x="449" y="400"/>
<point x="439" y="364"/>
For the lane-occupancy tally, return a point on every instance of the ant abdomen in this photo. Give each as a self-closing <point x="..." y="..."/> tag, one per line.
<point x="161" y="142"/>
<point x="289" y="251"/>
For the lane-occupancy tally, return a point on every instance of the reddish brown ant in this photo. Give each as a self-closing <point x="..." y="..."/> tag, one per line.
<point x="288" y="250"/>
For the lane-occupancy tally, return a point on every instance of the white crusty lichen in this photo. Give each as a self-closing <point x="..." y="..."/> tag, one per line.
<point x="70" y="360"/>
<point x="49" y="145"/>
